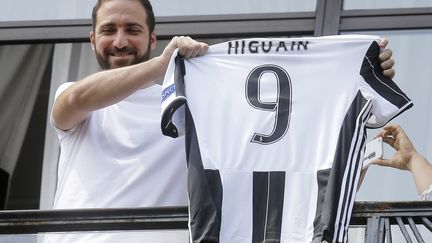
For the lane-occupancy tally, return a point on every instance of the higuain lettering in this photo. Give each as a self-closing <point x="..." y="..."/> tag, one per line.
<point x="263" y="47"/>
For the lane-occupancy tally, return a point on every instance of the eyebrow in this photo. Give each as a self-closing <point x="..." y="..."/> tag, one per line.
<point x="111" y="24"/>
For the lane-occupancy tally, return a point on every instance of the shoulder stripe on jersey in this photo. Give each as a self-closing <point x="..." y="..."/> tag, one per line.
<point x="168" y="128"/>
<point x="372" y="73"/>
<point x="378" y="79"/>
<point x="352" y="173"/>
<point x="204" y="189"/>
<point x="179" y="73"/>
<point x="335" y="204"/>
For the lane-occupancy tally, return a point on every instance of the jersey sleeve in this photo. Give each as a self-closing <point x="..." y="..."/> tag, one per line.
<point x="174" y="98"/>
<point x="388" y="100"/>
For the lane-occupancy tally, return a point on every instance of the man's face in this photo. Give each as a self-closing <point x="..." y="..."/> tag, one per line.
<point x="121" y="36"/>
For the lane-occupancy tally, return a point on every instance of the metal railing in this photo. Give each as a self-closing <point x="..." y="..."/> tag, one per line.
<point x="375" y="217"/>
<point x="379" y="216"/>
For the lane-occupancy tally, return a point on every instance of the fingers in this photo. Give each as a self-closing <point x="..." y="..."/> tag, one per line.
<point x="386" y="59"/>
<point x="383" y="43"/>
<point x="386" y="55"/>
<point x="389" y="73"/>
<point x="390" y="141"/>
<point x="380" y="134"/>
<point x="387" y="63"/>
<point x="387" y="130"/>
<point x="189" y="47"/>
<point x="381" y="162"/>
<point x="389" y="134"/>
<point x="396" y="137"/>
<point x="393" y="130"/>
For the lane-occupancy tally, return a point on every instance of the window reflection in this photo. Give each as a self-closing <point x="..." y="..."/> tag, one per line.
<point x="154" y="236"/>
<point x="375" y="4"/>
<point x="198" y="7"/>
<point x="53" y="9"/>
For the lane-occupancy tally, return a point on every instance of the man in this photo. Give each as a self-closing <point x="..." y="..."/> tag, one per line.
<point x="113" y="153"/>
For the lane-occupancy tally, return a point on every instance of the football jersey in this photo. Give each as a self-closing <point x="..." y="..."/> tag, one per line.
<point x="275" y="132"/>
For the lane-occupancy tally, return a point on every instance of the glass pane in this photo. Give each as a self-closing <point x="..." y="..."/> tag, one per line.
<point x="356" y="234"/>
<point x="199" y="7"/>
<point x="160" y="236"/>
<point x="411" y="53"/>
<point x="79" y="9"/>
<point x="18" y="10"/>
<point x="398" y="236"/>
<point x="374" y="4"/>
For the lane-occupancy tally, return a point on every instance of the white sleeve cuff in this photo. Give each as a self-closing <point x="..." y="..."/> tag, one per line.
<point x="427" y="194"/>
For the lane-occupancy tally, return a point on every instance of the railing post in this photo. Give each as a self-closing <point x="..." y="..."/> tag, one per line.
<point x="372" y="229"/>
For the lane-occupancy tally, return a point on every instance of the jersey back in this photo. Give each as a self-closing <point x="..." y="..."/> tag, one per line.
<point x="275" y="131"/>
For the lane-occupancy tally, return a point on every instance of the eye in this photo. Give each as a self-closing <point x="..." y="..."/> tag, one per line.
<point x="107" y="30"/>
<point x="134" y="31"/>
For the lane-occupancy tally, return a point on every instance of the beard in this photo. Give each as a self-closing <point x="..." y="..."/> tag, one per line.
<point x="104" y="58"/>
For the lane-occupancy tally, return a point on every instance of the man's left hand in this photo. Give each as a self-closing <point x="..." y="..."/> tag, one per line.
<point x="386" y="59"/>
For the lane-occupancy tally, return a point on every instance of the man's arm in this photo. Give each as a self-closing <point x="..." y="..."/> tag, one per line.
<point x="108" y="87"/>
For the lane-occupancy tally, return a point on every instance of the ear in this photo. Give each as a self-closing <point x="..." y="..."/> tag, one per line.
<point x="153" y="40"/>
<point x="92" y="40"/>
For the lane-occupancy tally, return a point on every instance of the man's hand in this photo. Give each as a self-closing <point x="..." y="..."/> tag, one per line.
<point x="386" y="59"/>
<point x="188" y="47"/>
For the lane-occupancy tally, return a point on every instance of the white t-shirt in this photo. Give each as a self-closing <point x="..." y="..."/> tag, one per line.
<point x="118" y="157"/>
<point x="275" y="130"/>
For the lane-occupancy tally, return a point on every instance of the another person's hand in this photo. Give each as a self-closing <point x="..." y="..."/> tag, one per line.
<point x="386" y="59"/>
<point x="407" y="158"/>
<point x="396" y="137"/>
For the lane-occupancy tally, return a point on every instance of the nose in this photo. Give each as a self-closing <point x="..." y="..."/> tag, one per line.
<point x="120" y="40"/>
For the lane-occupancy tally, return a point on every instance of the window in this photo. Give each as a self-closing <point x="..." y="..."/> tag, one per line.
<point x="197" y="7"/>
<point x="376" y="4"/>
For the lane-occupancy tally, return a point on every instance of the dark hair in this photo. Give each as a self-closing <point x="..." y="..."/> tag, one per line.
<point x="145" y="3"/>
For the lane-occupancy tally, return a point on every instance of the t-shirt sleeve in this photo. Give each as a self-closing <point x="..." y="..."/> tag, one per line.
<point x="388" y="100"/>
<point x="174" y="98"/>
<point x="61" y="133"/>
<point x="427" y="194"/>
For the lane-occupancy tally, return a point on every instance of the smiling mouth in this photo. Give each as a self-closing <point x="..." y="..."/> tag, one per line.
<point x="121" y="54"/>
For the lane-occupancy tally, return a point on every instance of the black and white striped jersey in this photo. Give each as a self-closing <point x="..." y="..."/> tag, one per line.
<point x="275" y="131"/>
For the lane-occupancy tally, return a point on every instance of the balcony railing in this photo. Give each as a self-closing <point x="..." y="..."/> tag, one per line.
<point x="379" y="216"/>
<point x="375" y="217"/>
